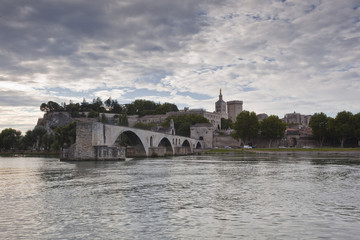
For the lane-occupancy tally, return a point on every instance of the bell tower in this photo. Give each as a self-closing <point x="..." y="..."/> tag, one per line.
<point x="220" y="106"/>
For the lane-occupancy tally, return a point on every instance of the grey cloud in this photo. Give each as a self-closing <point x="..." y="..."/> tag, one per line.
<point x="17" y="98"/>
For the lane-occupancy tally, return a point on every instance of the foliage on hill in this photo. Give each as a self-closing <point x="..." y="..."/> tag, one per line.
<point x="138" y="107"/>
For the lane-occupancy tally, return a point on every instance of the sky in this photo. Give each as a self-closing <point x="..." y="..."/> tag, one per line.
<point x="277" y="56"/>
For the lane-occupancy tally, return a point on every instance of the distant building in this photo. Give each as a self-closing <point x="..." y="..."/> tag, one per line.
<point x="234" y="109"/>
<point x="297" y="119"/>
<point x="203" y="131"/>
<point x="220" y="107"/>
<point x="228" y="109"/>
<point x="262" y="116"/>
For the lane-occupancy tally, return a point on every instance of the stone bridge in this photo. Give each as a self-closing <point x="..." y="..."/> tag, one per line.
<point x="98" y="141"/>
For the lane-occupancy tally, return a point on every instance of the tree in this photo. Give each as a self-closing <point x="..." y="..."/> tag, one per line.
<point x="165" y="108"/>
<point x="319" y="125"/>
<point x="44" y="107"/>
<point x="54" y="107"/>
<point x="104" y="119"/>
<point x="123" y="120"/>
<point x="9" y="139"/>
<point x="73" y="109"/>
<point x="37" y="134"/>
<point x="143" y="107"/>
<point x="97" y="105"/>
<point x="116" y="107"/>
<point x="66" y="135"/>
<point x="246" y="126"/>
<point x="85" y="106"/>
<point x="108" y="102"/>
<point x="46" y="141"/>
<point x="226" y="123"/>
<point x="93" y="114"/>
<point x="272" y="128"/>
<point x="357" y="127"/>
<point x="343" y="126"/>
<point x="28" y="140"/>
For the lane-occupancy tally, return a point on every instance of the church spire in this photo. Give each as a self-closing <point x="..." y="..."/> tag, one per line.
<point x="220" y="96"/>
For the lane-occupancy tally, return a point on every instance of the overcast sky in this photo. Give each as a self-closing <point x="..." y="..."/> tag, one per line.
<point x="278" y="56"/>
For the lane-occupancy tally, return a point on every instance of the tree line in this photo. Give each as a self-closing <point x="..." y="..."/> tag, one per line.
<point x="247" y="127"/>
<point x="139" y="107"/>
<point x="38" y="138"/>
<point x="344" y="127"/>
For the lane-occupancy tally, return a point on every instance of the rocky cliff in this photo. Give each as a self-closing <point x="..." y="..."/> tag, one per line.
<point x="54" y="120"/>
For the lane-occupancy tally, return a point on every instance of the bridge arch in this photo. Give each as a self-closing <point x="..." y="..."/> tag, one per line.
<point x="198" y="145"/>
<point x="186" y="144"/>
<point x="165" y="142"/>
<point x="135" y="147"/>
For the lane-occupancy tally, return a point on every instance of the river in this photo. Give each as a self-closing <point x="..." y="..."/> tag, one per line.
<point x="255" y="196"/>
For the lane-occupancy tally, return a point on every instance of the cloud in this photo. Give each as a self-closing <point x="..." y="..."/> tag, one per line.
<point x="276" y="56"/>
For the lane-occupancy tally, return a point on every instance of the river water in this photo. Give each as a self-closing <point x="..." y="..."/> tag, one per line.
<point x="193" y="197"/>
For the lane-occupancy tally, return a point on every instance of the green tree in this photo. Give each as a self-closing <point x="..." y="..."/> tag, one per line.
<point x="108" y="102"/>
<point x="246" y="126"/>
<point x="319" y="125"/>
<point x="54" y="107"/>
<point x="10" y="139"/>
<point x="93" y="114"/>
<point x="73" y="109"/>
<point x="143" y="107"/>
<point x="28" y="141"/>
<point x="357" y="127"/>
<point x="116" y="107"/>
<point x="123" y="120"/>
<point x="226" y="123"/>
<point x="65" y="136"/>
<point x="38" y="133"/>
<point x="104" y="119"/>
<point x="97" y="105"/>
<point x="46" y="141"/>
<point x="272" y="128"/>
<point x="44" y="107"/>
<point x="165" y="108"/>
<point x="343" y="126"/>
<point x="85" y="106"/>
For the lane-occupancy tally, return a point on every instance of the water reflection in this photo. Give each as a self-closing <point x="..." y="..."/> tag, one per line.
<point x="198" y="197"/>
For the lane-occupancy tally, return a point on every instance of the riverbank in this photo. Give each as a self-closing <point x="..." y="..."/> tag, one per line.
<point x="30" y="154"/>
<point x="353" y="151"/>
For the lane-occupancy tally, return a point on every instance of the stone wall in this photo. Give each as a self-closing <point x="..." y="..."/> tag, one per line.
<point x="157" y="151"/>
<point x="109" y="153"/>
<point x="221" y="141"/>
<point x="182" y="150"/>
<point x="84" y="147"/>
<point x="204" y="132"/>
